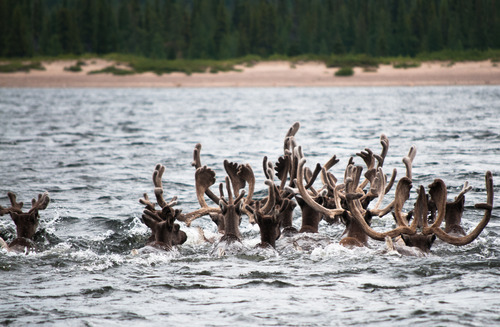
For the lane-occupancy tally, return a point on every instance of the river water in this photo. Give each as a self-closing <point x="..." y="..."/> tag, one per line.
<point x="94" y="150"/>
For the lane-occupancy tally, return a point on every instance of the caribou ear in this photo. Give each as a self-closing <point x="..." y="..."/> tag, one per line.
<point x="15" y="216"/>
<point x="150" y="222"/>
<point x="239" y="208"/>
<point x="368" y="217"/>
<point x="430" y="240"/>
<point x="406" y="239"/>
<point x="223" y="207"/>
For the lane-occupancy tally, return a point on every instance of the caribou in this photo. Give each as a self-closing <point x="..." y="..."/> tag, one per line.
<point x="26" y="222"/>
<point x="348" y="202"/>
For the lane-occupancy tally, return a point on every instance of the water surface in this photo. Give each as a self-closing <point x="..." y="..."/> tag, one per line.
<point x="94" y="150"/>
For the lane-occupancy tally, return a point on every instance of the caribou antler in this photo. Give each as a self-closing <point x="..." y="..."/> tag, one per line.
<point x="402" y="194"/>
<point x="158" y="190"/>
<point x="384" y="141"/>
<point x="438" y="195"/>
<point x="408" y="161"/>
<point x="197" y="164"/>
<point x="204" y="178"/>
<point x="15" y="206"/>
<point x="307" y="197"/>
<point x="26" y="222"/>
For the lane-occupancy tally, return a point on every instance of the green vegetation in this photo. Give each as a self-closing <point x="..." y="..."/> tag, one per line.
<point x="19" y="66"/>
<point x="141" y="64"/>
<point x="344" y="71"/>
<point x="359" y="60"/>
<point x="112" y="70"/>
<point x="338" y="32"/>
<point x="406" y="64"/>
<point x="76" y="67"/>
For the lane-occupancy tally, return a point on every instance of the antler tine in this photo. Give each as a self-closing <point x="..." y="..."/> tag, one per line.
<point x="378" y="188"/>
<point x="204" y="178"/>
<point x="353" y="193"/>
<point x="336" y="195"/>
<point x="488" y="207"/>
<point x="369" y="176"/>
<point x="312" y="176"/>
<point x="401" y="195"/>
<point x="196" y="156"/>
<point x="237" y="182"/>
<point x="293" y="130"/>
<point x="308" y="176"/>
<point x="172" y="202"/>
<point x="408" y="161"/>
<point x="282" y="168"/>
<point x="331" y="162"/>
<point x="384" y="141"/>
<point x="346" y="171"/>
<point x="271" y="200"/>
<point x="15" y="206"/>
<point x="355" y="174"/>
<point x="420" y="211"/>
<point x="367" y="156"/>
<point x="157" y="176"/>
<point x="229" y="193"/>
<point x="391" y="182"/>
<point x="152" y="215"/>
<point x="327" y="166"/>
<point x="197" y="164"/>
<point x="246" y="173"/>
<point x="41" y="203"/>
<point x="265" y="167"/>
<point x="145" y="201"/>
<point x="466" y="188"/>
<point x="438" y="193"/>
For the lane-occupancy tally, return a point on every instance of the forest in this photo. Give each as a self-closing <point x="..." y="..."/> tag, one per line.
<point x="223" y="29"/>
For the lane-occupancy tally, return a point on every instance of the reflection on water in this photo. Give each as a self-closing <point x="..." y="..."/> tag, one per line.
<point x="95" y="150"/>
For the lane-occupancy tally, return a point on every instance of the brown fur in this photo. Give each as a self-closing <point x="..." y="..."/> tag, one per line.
<point x="453" y="217"/>
<point x="420" y="241"/>
<point x="310" y="217"/>
<point x="355" y="236"/>
<point x="166" y="233"/>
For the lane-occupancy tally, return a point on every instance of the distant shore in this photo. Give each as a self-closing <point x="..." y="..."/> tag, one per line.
<point x="262" y="74"/>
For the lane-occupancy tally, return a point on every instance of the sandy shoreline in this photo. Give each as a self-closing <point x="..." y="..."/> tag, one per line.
<point x="264" y="74"/>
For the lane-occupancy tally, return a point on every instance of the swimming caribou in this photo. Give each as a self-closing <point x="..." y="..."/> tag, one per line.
<point x="348" y="202"/>
<point x="26" y="222"/>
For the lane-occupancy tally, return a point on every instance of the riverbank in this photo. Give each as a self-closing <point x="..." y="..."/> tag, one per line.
<point x="262" y="74"/>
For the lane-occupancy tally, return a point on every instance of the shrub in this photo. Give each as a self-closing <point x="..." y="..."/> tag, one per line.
<point x="73" y="68"/>
<point x="344" y="71"/>
<point x="13" y="67"/>
<point x="406" y="64"/>
<point x="112" y="70"/>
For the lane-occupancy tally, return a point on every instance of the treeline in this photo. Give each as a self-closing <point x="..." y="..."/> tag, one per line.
<point x="221" y="29"/>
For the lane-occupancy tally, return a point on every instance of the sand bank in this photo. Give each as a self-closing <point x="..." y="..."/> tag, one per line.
<point x="264" y="74"/>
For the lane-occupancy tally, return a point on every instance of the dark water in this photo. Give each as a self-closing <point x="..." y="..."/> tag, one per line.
<point x="95" y="150"/>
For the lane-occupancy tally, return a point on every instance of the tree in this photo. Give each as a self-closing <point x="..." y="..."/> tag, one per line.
<point x="18" y="40"/>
